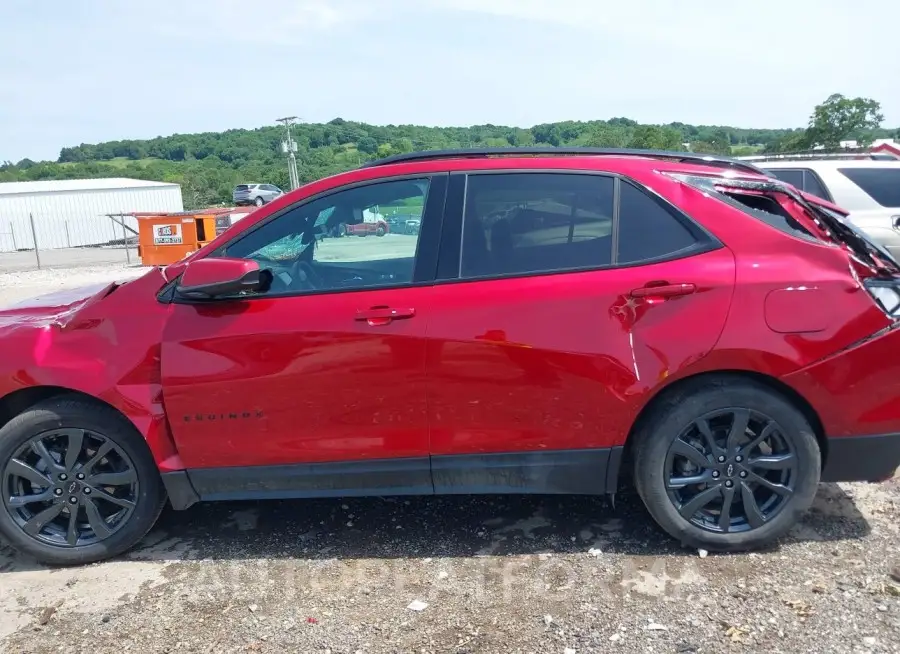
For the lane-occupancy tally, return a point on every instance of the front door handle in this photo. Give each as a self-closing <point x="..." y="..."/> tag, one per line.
<point x="663" y="290"/>
<point x="377" y="316"/>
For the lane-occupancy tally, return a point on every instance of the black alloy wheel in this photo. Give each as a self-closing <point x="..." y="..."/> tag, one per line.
<point x="70" y="487"/>
<point x="79" y="482"/>
<point x="731" y="470"/>
<point x="725" y="463"/>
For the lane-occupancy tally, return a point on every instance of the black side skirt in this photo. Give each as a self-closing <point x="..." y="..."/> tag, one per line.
<point x="862" y="458"/>
<point x="567" y="472"/>
<point x="583" y="472"/>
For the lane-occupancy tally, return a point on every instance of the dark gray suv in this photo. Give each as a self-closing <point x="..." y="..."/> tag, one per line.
<point x="257" y="194"/>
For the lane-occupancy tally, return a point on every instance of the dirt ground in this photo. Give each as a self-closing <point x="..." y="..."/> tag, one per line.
<point x="461" y="575"/>
<point x="11" y="262"/>
<point x="504" y="574"/>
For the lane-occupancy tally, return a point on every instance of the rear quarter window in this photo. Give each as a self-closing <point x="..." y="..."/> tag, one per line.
<point x="768" y="210"/>
<point x="881" y="184"/>
<point x="761" y="206"/>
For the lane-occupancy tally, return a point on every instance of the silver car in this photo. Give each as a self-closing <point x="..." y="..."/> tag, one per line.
<point x="257" y="194"/>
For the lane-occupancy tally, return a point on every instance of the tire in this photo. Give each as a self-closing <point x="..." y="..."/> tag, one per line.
<point x="259" y="202"/>
<point x="127" y="456"/>
<point x="675" y="421"/>
<point x="379" y="231"/>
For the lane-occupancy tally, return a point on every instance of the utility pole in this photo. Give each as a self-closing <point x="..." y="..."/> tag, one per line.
<point x="290" y="147"/>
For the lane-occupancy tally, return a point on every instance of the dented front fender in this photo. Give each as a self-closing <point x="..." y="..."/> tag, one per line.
<point x="102" y="341"/>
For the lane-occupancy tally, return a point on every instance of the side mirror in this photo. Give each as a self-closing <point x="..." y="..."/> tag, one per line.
<point x="206" y="279"/>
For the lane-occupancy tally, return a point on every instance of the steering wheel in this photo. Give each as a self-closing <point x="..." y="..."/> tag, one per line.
<point x="303" y="273"/>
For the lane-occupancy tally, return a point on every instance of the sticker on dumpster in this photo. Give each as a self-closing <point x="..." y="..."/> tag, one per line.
<point x="167" y="234"/>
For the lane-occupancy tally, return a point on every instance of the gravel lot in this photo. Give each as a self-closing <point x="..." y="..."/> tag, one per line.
<point x="67" y="258"/>
<point x="18" y="286"/>
<point x="498" y="574"/>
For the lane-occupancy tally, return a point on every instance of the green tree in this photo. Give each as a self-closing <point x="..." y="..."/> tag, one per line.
<point x="719" y="143"/>
<point x="840" y="118"/>
<point x="368" y="145"/>
<point x="655" y="137"/>
<point x="607" y="136"/>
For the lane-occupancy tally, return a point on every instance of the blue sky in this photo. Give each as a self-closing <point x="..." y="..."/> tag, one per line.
<point x="96" y="70"/>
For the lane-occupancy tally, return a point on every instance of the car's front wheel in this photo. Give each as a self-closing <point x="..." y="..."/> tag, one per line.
<point x="78" y="481"/>
<point x="726" y="464"/>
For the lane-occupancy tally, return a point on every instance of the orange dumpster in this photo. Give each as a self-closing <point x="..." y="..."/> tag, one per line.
<point x="165" y="238"/>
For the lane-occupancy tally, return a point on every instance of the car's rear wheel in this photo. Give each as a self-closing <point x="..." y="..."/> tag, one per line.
<point x="78" y="482"/>
<point x="726" y="464"/>
<point x="259" y="202"/>
<point x="379" y="231"/>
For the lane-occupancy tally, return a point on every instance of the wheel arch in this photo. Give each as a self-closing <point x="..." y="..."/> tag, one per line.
<point x="14" y="403"/>
<point x="161" y="446"/>
<point x="792" y="395"/>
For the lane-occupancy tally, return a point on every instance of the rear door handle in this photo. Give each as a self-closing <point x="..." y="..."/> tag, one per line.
<point x="664" y="290"/>
<point x="376" y="316"/>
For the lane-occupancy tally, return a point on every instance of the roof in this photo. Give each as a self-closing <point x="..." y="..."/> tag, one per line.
<point x="74" y="185"/>
<point x="887" y="146"/>
<point x="714" y="161"/>
<point x="829" y="164"/>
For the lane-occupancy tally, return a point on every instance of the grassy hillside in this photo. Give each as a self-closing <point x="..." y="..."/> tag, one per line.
<point x="208" y="165"/>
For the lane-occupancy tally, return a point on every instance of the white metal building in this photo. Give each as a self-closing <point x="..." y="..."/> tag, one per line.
<point x="74" y="212"/>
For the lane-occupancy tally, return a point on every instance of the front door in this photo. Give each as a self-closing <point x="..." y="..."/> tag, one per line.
<point x="316" y="386"/>
<point x="575" y="294"/>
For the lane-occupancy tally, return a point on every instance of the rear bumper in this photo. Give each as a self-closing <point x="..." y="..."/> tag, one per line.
<point x="862" y="458"/>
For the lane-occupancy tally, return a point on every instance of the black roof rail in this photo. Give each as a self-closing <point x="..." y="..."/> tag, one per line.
<point x="681" y="157"/>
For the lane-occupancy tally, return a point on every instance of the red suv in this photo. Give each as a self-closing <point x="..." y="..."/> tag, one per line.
<point x="379" y="228"/>
<point x="562" y="321"/>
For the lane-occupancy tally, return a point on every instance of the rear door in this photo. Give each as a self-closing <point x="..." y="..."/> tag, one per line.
<point x="562" y="298"/>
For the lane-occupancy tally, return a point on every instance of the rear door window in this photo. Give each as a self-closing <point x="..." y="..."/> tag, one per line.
<point x="813" y="185"/>
<point x="803" y="179"/>
<point x="647" y="228"/>
<point x="792" y="177"/>
<point x="881" y="184"/>
<point x="521" y="223"/>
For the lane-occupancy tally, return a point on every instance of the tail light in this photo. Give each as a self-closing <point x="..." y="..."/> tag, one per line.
<point x="886" y="293"/>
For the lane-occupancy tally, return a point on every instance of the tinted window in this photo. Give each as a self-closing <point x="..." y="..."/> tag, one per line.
<point x="882" y="184"/>
<point x="813" y="186"/>
<point x="309" y="248"/>
<point x="792" y="177"/>
<point x="527" y="223"/>
<point x="647" y="228"/>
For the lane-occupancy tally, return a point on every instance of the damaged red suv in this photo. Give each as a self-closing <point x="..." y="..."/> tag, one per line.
<point x="563" y="321"/>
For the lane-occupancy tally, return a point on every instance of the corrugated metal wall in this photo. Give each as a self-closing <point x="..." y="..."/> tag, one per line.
<point x="76" y="218"/>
